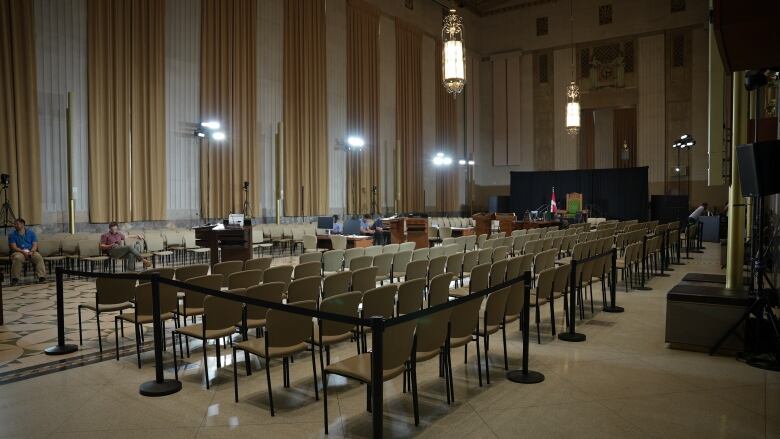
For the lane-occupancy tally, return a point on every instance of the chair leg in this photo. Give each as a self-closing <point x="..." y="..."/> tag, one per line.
<point x="479" y="363"/>
<point x="503" y="335"/>
<point x="99" y="333"/>
<point x="138" y="343"/>
<point x="325" y="399"/>
<point x="116" y="339"/>
<point x="487" y="359"/>
<point x="219" y="361"/>
<point x="314" y="372"/>
<point x="175" y="362"/>
<point x="235" y="376"/>
<point x="206" y="362"/>
<point x="268" y="379"/>
<point x="414" y="394"/>
<point x="81" y="340"/>
<point x="449" y="368"/>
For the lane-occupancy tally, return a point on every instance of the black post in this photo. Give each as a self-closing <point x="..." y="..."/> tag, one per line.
<point x="663" y="255"/>
<point x="160" y="386"/>
<point x="2" y="279"/>
<point x="572" y="335"/>
<point x="377" y="338"/>
<point x="61" y="347"/>
<point x="667" y="252"/>
<point x="678" y="249"/>
<point x="613" y="286"/>
<point x="644" y="265"/>
<point x="525" y="376"/>
<point x="687" y="241"/>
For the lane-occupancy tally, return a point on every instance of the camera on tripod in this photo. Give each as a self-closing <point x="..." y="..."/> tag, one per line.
<point x="5" y="180"/>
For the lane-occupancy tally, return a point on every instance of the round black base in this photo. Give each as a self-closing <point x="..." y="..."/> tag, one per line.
<point x="687" y="257"/>
<point x="662" y="274"/>
<point x="517" y="376"/>
<point x="762" y="361"/>
<point x="669" y="269"/>
<point x="573" y="337"/>
<point x="696" y="251"/>
<point x="641" y="288"/>
<point x="613" y="309"/>
<point x="61" y="349"/>
<point x="153" y="388"/>
<point x="679" y="263"/>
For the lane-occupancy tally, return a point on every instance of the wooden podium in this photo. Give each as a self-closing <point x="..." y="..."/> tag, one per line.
<point x="482" y="223"/>
<point x="417" y="231"/>
<point x="397" y="230"/>
<point x="505" y="222"/>
<point x="235" y="243"/>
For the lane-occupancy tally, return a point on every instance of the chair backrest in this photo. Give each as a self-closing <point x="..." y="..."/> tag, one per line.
<point x="307" y="269"/>
<point x="470" y="242"/>
<point x="361" y="262"/>
<point x="464" y="318"/>
<point x="532" y="246"/>
<point x="165" y="272"/>
<point x="306" y="288"/>
<point x="88" y="248"/>
<point x="364" y="279"/>
<point x="310" y="257"/>
<point x="545" y="283"/>
<point x="373" y="250"/>
<point x="244" y="279"/>
<point x="111" y="291"/>
<point x="391" y="248"/>
<point x="352" y="253"/>
<point x="279" y="273"/>
<point x="258" y="263"/>
<point x="189" y="271"/>
<point x="561" y="280"/>
<point x="438" y="292"/>
<point x="226" y="269"/>
<point x="500" y="253"/>
<point x="380" y="301"/>
<point x="336" y="283"/>
<point x="339" y="242"/>
<point x="397" y="347"/>
<point x="193" y="299"/>
<point x="333" y="260"/>
<point x="436" y="266"/>
<point x="407" y="246"/>
<point x="383" y="263"/>
<point x="470" y="259"/>
<point x="420" y="254"/>
<point x="154" y="242"/>
<point x="401" y="260"/>
<point x="169" y="300"/>
<point x="495" y="307"/>
<point x="516" y="296"/>
<point x="345" y="304"/>
<point x="452" y="249"/>
<point x="480" y="278"/>
<point x="309" y="242"/>
<point x="445" y="232"/>
<point x="432" y="331"/>
<point x="417" y="270"/>
<point x="219" y="313"/>
<point x="173" y="239"/>
<point x="48" y="247"/>
<point x="544" y="260"/>
<point x="448" y="241"/>
<point x="435" y="252"/>
<point x="269" y="291"/>
<point x="455" y="264"/>
<point x="498" y="272"/>
<point x="289" y="329"/>
<point x="485" y="256"/>
<point x="481" y="239"/>
<point x="410" y="296"/>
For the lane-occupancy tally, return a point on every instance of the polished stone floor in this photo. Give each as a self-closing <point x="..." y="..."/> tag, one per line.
<point x="622" y="382"/>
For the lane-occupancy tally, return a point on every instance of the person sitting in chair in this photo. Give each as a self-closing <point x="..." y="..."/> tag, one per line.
<point x="111" y="243"/>
<point x="338" y="228"/>
<point x="364" y="227"/>
<point x="379" y="234"/>
<point x="24" y="247"/>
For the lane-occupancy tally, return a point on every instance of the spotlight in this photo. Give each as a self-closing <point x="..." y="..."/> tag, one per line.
<point x="218" y="135"/>
<point x="211" y="125"/>
<point x="462" y="162"/>
<point x="355" y="142"/>
<point x="200" y="134"/>
<point x="471" y="162"/>
<point x="441" y="160"/>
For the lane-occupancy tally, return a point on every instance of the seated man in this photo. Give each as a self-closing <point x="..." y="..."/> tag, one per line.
<point x="338" y="228"/>
<point x="24" y="247"/>
<point x="364" y="227"/>
<point x="379" y="235"/>
<point x="111" y="244"/>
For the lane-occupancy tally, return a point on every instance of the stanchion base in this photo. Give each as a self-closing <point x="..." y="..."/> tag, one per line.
<point x="61" y="349"/>
<point x="571" y="336"/>
<point x="662" y="275"/>
<point x="530" y="377"/>
<point x="669" y="269"/>
<point x="696" y="251"/>
<point x="687" y="257"/>
<point x="642" y="288"/>
<point x="679" y="263"/>
<point x="613" y="309"/>
<point x="153" y="388"/>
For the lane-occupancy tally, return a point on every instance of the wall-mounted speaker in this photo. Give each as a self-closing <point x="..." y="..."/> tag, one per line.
<point x="757" y="164"/>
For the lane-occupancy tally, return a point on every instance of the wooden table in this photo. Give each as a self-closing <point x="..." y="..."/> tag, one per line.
<point x="353" y="241"/>
<point x="462" y="231"/>
<point x="235" y="243"/>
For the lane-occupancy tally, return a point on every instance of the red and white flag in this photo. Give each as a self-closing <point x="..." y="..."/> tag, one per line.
<point x="553" y="204"/>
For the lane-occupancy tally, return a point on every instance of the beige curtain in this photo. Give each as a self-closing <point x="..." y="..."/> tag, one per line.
<point x="305" y="109"/>
<point x="228" y="94"/>
<point x="19" y="146"/>
<point x="446" y="139"/>
<point x="126" y="71"/>
<point x="408" y="98"/>
<point x="362" y="104"/>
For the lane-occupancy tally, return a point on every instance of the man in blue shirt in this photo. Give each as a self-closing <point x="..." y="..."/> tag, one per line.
<point x="338" y="228"/>
<point x="24" y="247"/>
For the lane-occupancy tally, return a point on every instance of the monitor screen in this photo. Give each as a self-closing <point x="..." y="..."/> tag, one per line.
<point x="236" y="219"/>
<point x="325" y="222"/>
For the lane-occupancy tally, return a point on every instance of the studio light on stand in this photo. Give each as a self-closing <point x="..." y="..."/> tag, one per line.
<point x="686" y="141"/>
<point x="209" y="130"/>
<point x="441" y="160"/>
<point x="468" y="164"/>
<point x="352" y="143"/>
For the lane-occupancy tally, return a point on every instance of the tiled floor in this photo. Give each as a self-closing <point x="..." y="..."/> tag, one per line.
<point x="622" y="382"/>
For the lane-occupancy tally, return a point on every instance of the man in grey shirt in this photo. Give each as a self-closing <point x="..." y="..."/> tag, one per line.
<point x="694" y="216"/>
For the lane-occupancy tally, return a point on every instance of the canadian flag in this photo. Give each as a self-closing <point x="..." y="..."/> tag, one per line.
<point x="553" y="204"/>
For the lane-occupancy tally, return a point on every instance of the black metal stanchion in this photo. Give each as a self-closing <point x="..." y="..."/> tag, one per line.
<point x="687" y="242"/>
<point x="525" y="376"/>
<point x="572" y="335"/>
<point x="663" y="256"/>
<point x="667" y="252"/>
<point x="642" y="286"/>
<point x="377" y="336"/>
<point x="678" y="249"/>
<point x="61" y="347"/>
<point x="697" y="246"/>
<point x="160" y="386"/>
<point x="613" y="286"/>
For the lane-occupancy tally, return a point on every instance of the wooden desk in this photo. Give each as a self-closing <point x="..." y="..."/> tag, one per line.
<point x="462" y="231"/>
<point x="353" y="241"/>
<point x="397" y="233"/>
<point x="235" y="243"/>
<point x="505" y="222"/>
<point x="483" y="223"/>
<point x="417" y="231"/>
<point x="520" y="225"/>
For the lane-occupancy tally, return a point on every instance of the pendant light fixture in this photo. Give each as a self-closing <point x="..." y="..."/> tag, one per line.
<point x="572" y="90"/>
<point x="453" y="54"/>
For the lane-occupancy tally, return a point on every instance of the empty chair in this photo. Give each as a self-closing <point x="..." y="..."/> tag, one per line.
<point x="391" y="248"/>
<point x="420" y="254"/>
<point x="364" y="279"/>
<point x="400" y="261"/>
<point x="437" y="266"/>
<point x="470" y="242"/>
<point x="374" y="250"/>
<point x="189" y="271"/>
<point x="306" y="269"/>
<point x="255" y="315"/>
<point x="455" y="264"/>
<point x="339" y="242"/>
<point x="257" y="263"/>
<point x="448" y="241"/>
<point x="192" y="303"/>
<point x="332" y="261"/>
<point x="485" y="256"/>
<point x="516" y="297"/>
<point x="310" y="257"/>
<point x="384" y="265"/>
<point x="111" y="295"/>
<point x="481" y="240"/>
<point x="310" y="244"/>
<point x="307" y="288"/>
<point x="379" y="302"/>
<point x="498" y="272"/>
<point x="226" y="269"/>
<point x="351" y="254"/>
<point x="286" y="334"/>
<point x="336" y="283"/>
<point x="470" y="259"/>
<point x="410" y="296"/>
<point x="480" y="278"/>
<point x="416" y="270"/>
<point x="431" y="337"/>
<point x="500" y="253"/>
<point x="361" y="262"/>
<point x="542" y="295"/>
<point x="327" y="332"/>
<point x="407" y="246"/>
<point x="279" y="273"/>
<point x="435" y="252"/>
<point x="438" y="291"/>
<point x="492" y="321"/>
<point x="143" y="314"/>
<point x="519" y="232"/>
<point x="451" y="249"/>
<point x="464" y="321"/>
<point x="244" y="279"/>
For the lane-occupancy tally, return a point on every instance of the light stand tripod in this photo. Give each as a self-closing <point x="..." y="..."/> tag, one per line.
<point x="246" y="210"/>
<point x="7" y="215"/>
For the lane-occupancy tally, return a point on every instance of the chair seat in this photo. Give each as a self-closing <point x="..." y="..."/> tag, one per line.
<point x="198" y="250"/>
<point x="190" y="311"/>
<point x="163" y="253"/>
<point x="328" y="340"/>
<point x="107" y="307"/>
<point x="95" y="258"/>
<point x="54" y="258"/>
<point x="459" y="292"/>
<point x="253" y="323"/>
<point x="460" y="341"/>
<point x="511" y="318"/>
<point x="144" y="318"/>
<point x="564" y="261"/>
<point x="381" y="278"/>
<point x="542" y="300"/>
<point x="491" y="329"/>
<point x="425" y="356"/>
<point x="196" y="331"/>
<point x="359" y="368"/>
<point x="257" y="347"/>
